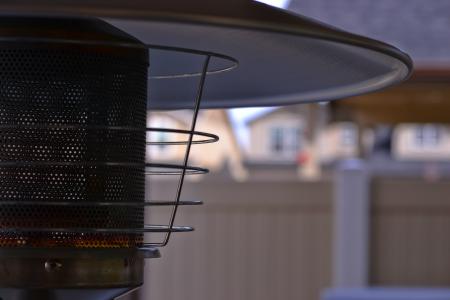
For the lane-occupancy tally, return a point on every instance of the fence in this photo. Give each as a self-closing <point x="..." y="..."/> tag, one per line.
<point x="272" y="240"/>
<point x="253" y="241"/>
<point x="410" y="241"/>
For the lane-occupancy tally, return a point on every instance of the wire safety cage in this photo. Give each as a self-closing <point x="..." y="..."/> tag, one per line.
<point x="191" y="137"/>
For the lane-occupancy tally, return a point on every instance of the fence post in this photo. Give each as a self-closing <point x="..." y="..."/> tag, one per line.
<point x="351" y="225"/>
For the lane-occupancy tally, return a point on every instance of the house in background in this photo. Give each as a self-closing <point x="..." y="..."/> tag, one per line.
<point x="299" y="140"/>
<point x="337" y="141"/>
<point x="421" y="142"/>
<point x="414" y="118"/>
<point x="278" y="136"/>
<point x="223" y="156"/>
<point x="172" y="120"/>
<point x="303" y="141"/>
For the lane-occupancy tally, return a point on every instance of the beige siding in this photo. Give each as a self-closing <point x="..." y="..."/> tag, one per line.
<point x="253" y="241"/>
<point x="260" y="134"/>
<point x="332" y="145"/>
<point x="157" y="152"/>
<point x="410" y="233"/>
<point x="213" y="156"/>
<point x="405" y="148"/>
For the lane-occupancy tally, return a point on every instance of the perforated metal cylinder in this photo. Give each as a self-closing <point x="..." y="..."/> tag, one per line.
<point x="72" y="129"/>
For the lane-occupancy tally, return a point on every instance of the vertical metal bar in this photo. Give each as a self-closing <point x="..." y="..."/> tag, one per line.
<point x="188" y="146"/>
<point x="351" y="225"/>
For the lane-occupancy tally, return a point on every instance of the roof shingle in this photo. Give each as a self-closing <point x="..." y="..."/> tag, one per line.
<point x="421" y="28"/>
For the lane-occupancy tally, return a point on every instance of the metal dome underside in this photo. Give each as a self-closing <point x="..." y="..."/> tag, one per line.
<point x="283" y="58"/>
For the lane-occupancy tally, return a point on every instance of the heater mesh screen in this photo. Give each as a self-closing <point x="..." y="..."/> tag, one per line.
<point x="72" y="129"/>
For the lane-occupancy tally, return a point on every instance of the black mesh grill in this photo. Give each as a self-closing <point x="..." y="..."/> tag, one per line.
<point x="72" y="129"/>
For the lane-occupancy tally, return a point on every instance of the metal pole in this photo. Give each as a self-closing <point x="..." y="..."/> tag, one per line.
<point x="351" y="225"/>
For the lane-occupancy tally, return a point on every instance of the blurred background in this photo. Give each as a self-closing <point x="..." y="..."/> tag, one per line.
<point x="342" y="200"/>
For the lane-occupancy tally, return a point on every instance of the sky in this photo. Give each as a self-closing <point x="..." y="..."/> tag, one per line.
<point x="277" y="3"/>
<point x="240" y="116"/>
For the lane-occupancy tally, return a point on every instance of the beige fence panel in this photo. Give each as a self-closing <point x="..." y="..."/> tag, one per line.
<point x="253" y="241"/>
<point x="410" y="241"/>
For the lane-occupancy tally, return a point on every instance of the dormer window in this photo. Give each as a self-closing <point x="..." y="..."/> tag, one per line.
<point x="285" y="140"/>
<point x="427" y="136"/>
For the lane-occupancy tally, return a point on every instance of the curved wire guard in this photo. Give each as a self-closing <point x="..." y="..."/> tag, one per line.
<point x="169" y="169"/>
<point x="192" y="137"/>
<point x="188" y="148"/>
<point x="99" y="204"/>
<point x="144" y="229"/>
<point x="232" y="63"/>
<point x="207" y="138"/>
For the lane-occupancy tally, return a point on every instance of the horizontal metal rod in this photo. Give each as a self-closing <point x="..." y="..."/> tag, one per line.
<point x="77" y="204"/>
<point x="145" y="229"/>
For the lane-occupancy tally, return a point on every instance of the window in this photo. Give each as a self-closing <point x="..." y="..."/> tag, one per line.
<point x="427" y="136"/>
<point x="162" y="137"/>
<point x="277" y="140"/>
<point x="348" y="135"/>
<point x="285" y="140"/>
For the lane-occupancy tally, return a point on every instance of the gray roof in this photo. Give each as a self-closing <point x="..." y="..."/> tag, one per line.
<point x="419" y="27"/>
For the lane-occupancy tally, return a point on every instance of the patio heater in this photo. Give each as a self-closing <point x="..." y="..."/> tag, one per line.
<point x="77" y="78"/>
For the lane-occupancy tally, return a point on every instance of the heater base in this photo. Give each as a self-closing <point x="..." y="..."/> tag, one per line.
<point x="62" y="294"/>
<point x="37" y="270"/>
